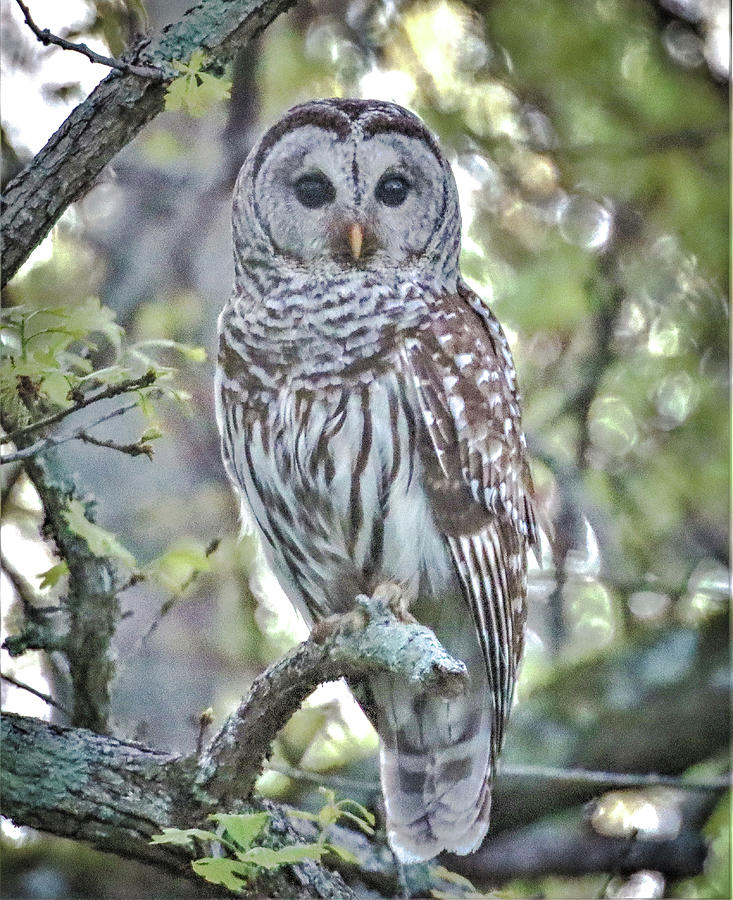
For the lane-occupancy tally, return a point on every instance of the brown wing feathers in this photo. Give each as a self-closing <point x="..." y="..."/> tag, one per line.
<point x="478" y="477"/>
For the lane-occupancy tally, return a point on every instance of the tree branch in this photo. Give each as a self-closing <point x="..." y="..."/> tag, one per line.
<point x="46" y="38"/>
<point x="66" y="168"/>
<point x="36" y="693"/>
<point x="552" y="848"/>
<point x="91" y="602"/>
<point x="113" y="390"/>
<point x="81" y="435"/>
<point x="117" y="795"/>
<point x="233" y="760"/>
<point x="136" y="448"/>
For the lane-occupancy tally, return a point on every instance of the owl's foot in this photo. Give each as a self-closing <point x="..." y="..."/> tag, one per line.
<point x="398" y="598"/>
<point x="353" y="620"/>
<point x="389" y="594"/>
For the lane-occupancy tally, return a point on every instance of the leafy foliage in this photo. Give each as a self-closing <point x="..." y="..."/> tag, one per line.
<point x="195" y="91"/>
<point x="51" y="348"/>
<point x="237" y="833"/>
<point x="49" y="358"/>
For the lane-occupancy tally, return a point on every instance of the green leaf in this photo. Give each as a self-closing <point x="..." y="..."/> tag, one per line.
<point x="242" y="829"/>
<point x="302" y="814"/>
<point x="229" y="872"/>
<point x="182" y="837"/>
<point x="270" y="859"/>
<point x="175" y="96"/>
<point x="195" y="354"/>
<point x="108" y="375"/>
<point x="99" y="541"/>
<point x="195" y="91"/>
<point x="152" y="433"/>
<point x="56" y="388"/>
<point x="357" y="820"/>
<point x="452" y="877"/>
<point x="196" y="60"/>
<point x="175" y="568"/>
<point x="363" y="818"/>
<point x="213" y="90"/>
<point x="51" y="577"/>
<point x="342" y="852"/>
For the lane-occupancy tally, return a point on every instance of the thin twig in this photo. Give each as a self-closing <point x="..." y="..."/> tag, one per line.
<point x="206" y="720"/>
<point x="46" y="38"/>
<point x="78" y="434"/>
<point x="133" y="449"/>
<point x="31" y="690"/>
<point x="339" y="782"/>
<point x="605" y="780"/>
<point x="112" y="390"/>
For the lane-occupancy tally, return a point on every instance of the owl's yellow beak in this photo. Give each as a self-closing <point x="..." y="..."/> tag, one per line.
<point x="356" y="239"/>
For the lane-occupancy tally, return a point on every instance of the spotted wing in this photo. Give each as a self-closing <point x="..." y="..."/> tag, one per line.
<point x="477" y="475"/>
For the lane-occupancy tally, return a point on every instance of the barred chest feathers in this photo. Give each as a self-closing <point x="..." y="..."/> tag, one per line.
<point x="333" y="475"/>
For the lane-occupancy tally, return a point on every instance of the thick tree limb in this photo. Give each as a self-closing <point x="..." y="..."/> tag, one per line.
<point x="545" y="849"/>
<point x="65" y="169"/>
<point x="115" y="794"/>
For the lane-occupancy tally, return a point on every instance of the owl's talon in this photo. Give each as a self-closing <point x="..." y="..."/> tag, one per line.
<point x="353" y="620"/>
<point x="398" y="599"/>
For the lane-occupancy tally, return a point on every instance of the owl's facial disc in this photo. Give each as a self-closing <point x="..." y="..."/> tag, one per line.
<point x="357" y="199"/>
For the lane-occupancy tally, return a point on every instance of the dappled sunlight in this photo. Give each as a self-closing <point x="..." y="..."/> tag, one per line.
<point x="648" y="815"/>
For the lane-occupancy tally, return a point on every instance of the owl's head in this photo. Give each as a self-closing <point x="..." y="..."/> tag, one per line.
<point x="357" y="183"/>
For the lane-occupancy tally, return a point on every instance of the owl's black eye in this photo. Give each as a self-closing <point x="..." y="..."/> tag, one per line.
<point x="314" y="190"/>
<point x="392" y="190"/>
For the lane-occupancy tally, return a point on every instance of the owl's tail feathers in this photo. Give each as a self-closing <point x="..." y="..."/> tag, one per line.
<point x="435" y="763"/>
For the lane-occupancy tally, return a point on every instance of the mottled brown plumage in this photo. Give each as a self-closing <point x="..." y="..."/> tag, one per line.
<point x="370" y="420"/>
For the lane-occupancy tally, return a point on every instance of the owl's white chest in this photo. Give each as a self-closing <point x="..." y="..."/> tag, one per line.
<point x="337" y="489"/>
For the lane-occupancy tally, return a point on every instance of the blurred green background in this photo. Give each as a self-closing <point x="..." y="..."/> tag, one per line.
<point x="590" y="146"/>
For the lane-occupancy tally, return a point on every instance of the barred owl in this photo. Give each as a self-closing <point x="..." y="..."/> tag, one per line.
<point x="370" y="421"/>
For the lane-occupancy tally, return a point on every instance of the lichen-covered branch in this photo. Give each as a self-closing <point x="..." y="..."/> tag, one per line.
<point x="91" y="601"/>
<point x="66" y="168"/>
<point x="89" y="787"/>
